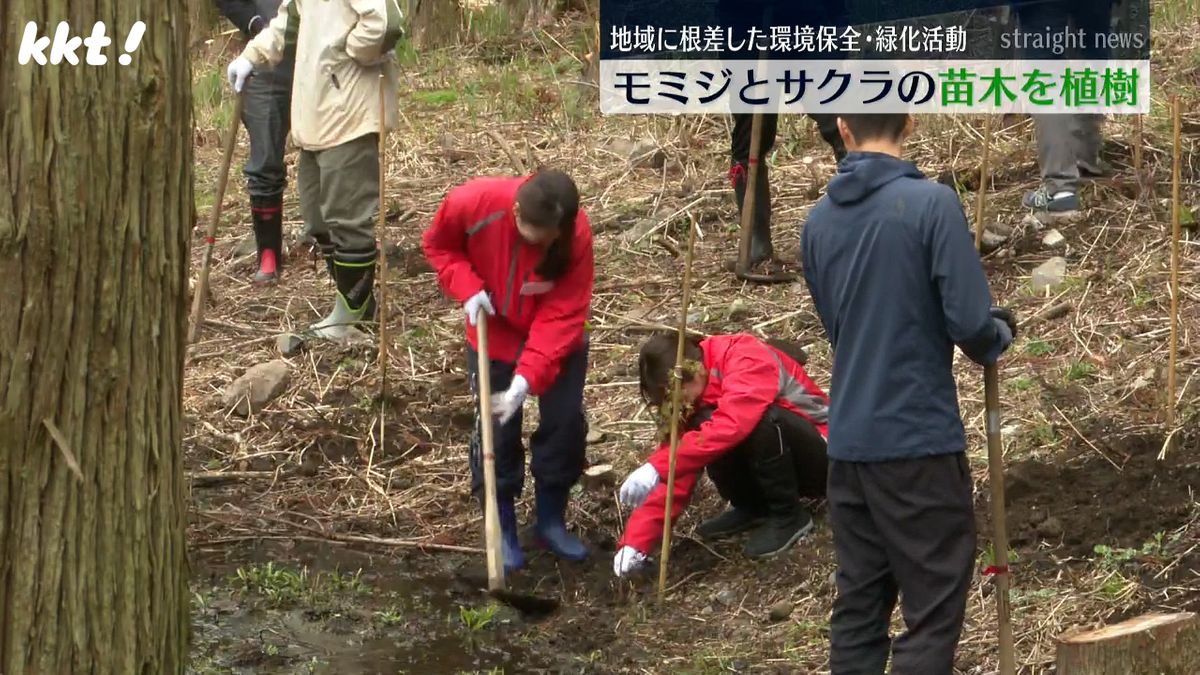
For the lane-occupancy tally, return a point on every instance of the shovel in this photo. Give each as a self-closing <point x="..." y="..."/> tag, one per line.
<point x="749" y="206"/>
<point x="527" y="604"/>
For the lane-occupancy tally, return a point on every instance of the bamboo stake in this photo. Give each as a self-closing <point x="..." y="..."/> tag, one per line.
<point x="980" y="199"/>
<point x="676" y="394"/>
<point x="991" y="383"/>
<point x="381" y="225"/>
<point x="1175" y="213"/>
<point x="210" y="238"/>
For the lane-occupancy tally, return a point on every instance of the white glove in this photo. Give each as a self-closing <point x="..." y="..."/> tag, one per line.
<point x="239" y="71"/>
<point x="638" y="485"/>
<point x="627" y="560"/>
<point x="475" y="303"/>
<point x="507" y="404"/>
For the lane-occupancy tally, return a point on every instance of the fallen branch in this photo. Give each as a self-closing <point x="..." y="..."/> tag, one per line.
<point x="512" y="156"/>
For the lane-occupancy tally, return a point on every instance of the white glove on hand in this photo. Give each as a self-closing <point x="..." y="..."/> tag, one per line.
<point x="627" y="560"/>
<point x="507" y="404"/>
<point x="239" y="71"/>
<point x="475" y="303"/>
<point x="638" y="485"/>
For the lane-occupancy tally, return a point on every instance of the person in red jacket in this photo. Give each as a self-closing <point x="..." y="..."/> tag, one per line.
<point x="757" y="426"/>
<point x="520" y="249"/>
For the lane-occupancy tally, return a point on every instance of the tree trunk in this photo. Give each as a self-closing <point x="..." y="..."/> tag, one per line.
<point x="435" y="22"/>
<point x="204" y="17"/>
<point x="95" y="214"/>
<point x="1158" y="643"/>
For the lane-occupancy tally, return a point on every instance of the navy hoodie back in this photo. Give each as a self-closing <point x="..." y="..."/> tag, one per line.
<point x="891" y="266"/>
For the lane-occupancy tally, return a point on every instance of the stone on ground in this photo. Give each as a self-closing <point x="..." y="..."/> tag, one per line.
<point x="289" y="344"/>
<point x="1053" y="239"/>
<point x="780" y="611"/>
<point x="1049" y="274"/>
<point x="256" y="388"/>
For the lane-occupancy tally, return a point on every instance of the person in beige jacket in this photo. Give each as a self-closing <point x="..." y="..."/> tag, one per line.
<point x="343" y="64"/>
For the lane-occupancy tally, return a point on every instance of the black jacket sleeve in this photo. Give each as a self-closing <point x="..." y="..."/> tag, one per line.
<point x="958" y="274"/>
<point x="240" y="13"/>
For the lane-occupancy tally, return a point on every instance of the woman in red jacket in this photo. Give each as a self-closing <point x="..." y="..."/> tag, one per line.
<point x="520" y="249"/>
<point x="757" y="426"/>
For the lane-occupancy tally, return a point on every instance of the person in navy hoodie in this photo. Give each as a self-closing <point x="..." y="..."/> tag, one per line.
<point x="892" y="269"/>
<point x="520" y="249"/>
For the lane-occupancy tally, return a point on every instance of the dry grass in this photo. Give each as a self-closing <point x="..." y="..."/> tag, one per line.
<point x="315" y="463"/>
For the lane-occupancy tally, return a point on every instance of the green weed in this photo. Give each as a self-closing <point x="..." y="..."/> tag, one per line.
<point x="389" y="617"/>
<point x="277" y="584"/>
<point x="1080" y="370"/>
<point x="476" y="619"/>
<point x="437" y="98"/>
<point x="1039" y="348"/>
<point x="1142" y="298"/>
<point x="1023" y="383"/>
<point x="1044" y="434"/>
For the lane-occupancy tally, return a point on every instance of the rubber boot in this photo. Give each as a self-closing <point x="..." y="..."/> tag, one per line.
<point x="787" y="521"/>
<point x="267" y="215"/>
<point x="514" y="557"/>
<point x="354" y="301"/>
<point x="550" y="528"/>
<point x="761" y="248"/>
<point x="729" y="523"/>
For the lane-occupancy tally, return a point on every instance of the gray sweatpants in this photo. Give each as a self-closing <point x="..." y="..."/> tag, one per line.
<point x="339" y="192"/>
<point x="1064" y="141"/>
<point x="902" y="527"/>
<point x="266" y="116"/>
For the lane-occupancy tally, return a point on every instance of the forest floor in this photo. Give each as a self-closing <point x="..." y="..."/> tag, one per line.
<point x="323" y="542"/>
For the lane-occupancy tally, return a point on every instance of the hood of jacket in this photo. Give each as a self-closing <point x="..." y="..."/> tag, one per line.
<point x="862" y="173"/>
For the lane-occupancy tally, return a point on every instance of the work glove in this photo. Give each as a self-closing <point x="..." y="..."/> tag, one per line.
<point x="507" y="404"/>
<point x="638" y="485"/>
<point x="1006" y="315"/>
<point x="239" y="71"/>
<point x="628" y="560"/>
<point x="475" y="303"/>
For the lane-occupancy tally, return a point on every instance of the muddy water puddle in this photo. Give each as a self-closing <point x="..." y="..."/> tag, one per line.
<point x="316" y="608"/>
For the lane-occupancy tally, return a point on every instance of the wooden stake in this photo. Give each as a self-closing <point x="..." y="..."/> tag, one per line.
<point x="1175" y="213"/>
<point x="981" y="197"/>
<point x="676" y="395"/>
<point x="201" y="294"/>
<point x="991" y="382"/>
<point x="749" y="203"/>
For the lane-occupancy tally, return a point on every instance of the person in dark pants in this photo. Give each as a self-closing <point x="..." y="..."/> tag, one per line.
<point x="892" y="269"/>
<point x="265" y="115"/>
<point x="520" y="249"/>
<point x="757" y="428"/>
<point x="741" y="15"/>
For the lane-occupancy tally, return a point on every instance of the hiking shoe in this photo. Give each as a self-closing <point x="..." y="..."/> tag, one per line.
<point x="778" y="534"/>
<point x="1061" y="203"/>
<point x="729" y="523"/>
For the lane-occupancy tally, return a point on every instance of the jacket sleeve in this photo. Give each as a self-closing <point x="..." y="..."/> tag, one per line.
<point x="559" y="323"/>
<point x="810" y="269"/>
<point x="445" y="246"/>
<point x="645" y="527"/>
<point x="267" y="48"/>
<point x="744" y="400"/>
<point x="961" y="282"/>
<point x="240" y="13"/>
<point x="377" y="31"/>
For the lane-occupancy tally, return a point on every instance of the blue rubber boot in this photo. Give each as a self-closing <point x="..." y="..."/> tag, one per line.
<point x="550" y="528"/>
<point x="514" y="558"/>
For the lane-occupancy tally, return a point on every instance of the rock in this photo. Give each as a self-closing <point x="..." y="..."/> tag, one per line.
<point x="1053" y="239"/>
<point x="646" y="154"/>
<point x="1051" y="528"/>
<point x="638" y="231"/>
<point x="595" y="436"/>
<point x="1144" y="380"/>
<point x="1049" y="274"/>
<point x="289" y="344"/>
<point x="726" y="597"/>
<point x="599" y="476"/>
<point x="780" y="611"/>
<point x="1031" y="221"/>
<point x="257" y="387"/>
<point x="738" y="309"/>
<point x="245" y="247"/>
<point x="992" y="240"/>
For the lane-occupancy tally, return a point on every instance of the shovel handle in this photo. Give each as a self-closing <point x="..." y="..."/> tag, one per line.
<point x="491" y="515"/>
<point x="991" y="386"/>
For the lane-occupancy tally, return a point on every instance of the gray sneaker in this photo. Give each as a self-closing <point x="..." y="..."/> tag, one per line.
<point x="1041" y="200"/>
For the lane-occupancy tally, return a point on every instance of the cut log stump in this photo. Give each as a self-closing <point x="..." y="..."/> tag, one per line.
<point x="1155" y="644"/>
